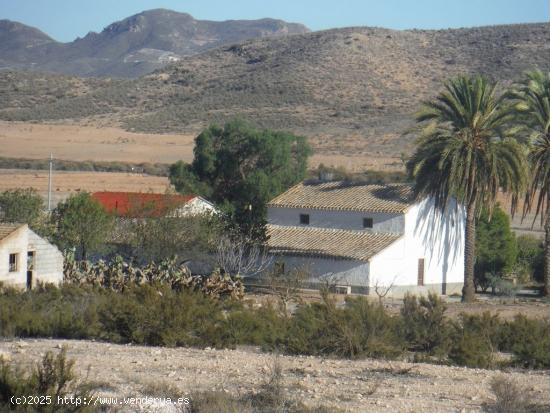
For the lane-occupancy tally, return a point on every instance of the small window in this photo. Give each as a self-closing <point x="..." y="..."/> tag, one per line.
<point x="279" y="268"/>
<point x="304" y="219"/>
<point x="421" y="271"/>
<point x="368" y="222"/>
<point x="13" y="262"/>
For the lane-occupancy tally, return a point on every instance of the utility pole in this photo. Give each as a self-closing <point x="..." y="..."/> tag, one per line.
<point x="50" y="184"/>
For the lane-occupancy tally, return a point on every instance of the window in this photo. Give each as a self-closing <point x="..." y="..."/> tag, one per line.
<point x="421" y="271"/>
<point x="14" y="258"/>
<point x="368" y="222"/>
<point x="279" y="267"/>
<point x="304" y="219"/>
<point x="30" y="260"/>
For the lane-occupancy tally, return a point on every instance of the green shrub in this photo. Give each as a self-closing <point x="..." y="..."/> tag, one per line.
<point x="423" y="324"/>
<point x="529" y="340"/>
<point x="475" y="340"/>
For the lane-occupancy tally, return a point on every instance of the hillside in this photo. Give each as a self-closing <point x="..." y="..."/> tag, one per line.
<point x="131" y="47"/>
<point x="351" y="90"/>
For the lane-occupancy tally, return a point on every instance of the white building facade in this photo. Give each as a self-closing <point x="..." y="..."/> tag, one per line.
<point x="27" y="259"/>
<point x="368" y="237"/>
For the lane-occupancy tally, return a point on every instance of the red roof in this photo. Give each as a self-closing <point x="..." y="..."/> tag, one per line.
<point x="140" y="205"/>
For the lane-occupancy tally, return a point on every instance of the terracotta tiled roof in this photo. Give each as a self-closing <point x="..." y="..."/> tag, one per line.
<point x="138" y="204"/>
<point x="344" y="196"/>
<point x="8" y="228"/>
<point x="324" y="242"/>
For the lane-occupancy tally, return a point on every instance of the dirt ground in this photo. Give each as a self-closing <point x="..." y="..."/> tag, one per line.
<point x="91" y="143"/>
<point x="65" y="183"/>
<point x="134" y="371"/>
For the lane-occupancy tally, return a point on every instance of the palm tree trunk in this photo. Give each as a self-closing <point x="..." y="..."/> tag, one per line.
<point x="546" y="289"/>
<point x="468" y="291"/>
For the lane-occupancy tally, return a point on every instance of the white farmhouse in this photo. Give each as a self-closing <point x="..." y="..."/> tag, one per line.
<point x="363" y="237"/>
<point x="26" y="258"/>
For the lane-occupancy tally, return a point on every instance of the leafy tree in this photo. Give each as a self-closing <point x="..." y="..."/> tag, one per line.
<point x="21" y="205"/>
<point x="82" y="223"/>
<point x="464" y="152"/>
<point x="243" y="168"/>
<point x="157" y="239"/>
<point x="531" y="257"/>
<point x="533" y="112"/>
<point x="496" y="247"/>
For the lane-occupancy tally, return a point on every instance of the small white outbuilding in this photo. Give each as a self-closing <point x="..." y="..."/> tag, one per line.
<point x="366" y="237"/>
<point x="26" y="258"/>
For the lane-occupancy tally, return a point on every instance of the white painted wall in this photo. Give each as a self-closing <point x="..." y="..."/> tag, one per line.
<point x="341" y="272"/>
<point x="196" y="206"/>
<point x="48" y="259"/>
<point x="336" y="219"/>
<point x="15" y="243"/>
<point x="429" y="234"/>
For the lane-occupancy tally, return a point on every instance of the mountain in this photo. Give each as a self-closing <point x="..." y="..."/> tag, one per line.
<point x="352" y="91"/>
<point x="131" y="47"/>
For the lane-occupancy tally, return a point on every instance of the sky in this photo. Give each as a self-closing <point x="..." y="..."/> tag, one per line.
<point x="64" y="20"/>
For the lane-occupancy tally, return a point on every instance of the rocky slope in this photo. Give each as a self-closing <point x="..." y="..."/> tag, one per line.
<point x="130" y="47"/>
<point x="353" y="90"/>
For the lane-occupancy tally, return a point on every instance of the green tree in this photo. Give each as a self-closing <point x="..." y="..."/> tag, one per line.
<point x="244" y="167"/>
<point x="21" y="205"/>
<point x="533" y="112"/>
<point x="464" y="152"/>
<point x="496" y="247"/>
<point x="81" y="223"/>
<point x="531" y="257"/>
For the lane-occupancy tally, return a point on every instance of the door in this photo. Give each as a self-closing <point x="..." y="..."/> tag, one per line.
<point x="421" y="271"/>
<point x="30" y="268"/>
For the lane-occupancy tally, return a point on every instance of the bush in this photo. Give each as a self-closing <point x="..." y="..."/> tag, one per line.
<point x="423" y="324"/>
<point x="475" y="340"/>
<point x="360" y="329"/>
<point x="510" y="398"/>
<point x="529" y="340"/>
<point x="51" y="379"/>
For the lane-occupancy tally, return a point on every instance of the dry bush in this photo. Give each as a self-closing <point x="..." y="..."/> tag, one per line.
<point x="510" y="397"/>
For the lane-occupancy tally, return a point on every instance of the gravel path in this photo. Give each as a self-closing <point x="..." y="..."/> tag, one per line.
<point x="125" y="370"/>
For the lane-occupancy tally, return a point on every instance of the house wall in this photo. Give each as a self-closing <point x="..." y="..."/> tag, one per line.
<point x="340" y="272"/>
<point x="48" y="260"/>
<point x="429" y="234"/>
<point x="394" y="223"/>
<point x="194" y="207"/>
<point x="15" y="243"/>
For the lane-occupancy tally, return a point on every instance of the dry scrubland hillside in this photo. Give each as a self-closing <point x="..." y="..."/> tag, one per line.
<point x="351" y="90"/>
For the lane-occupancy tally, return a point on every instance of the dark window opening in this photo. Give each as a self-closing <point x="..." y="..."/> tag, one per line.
<point x="13" y="262"/>
<point x="368" y="222"/>
<point x="304" y="219"/>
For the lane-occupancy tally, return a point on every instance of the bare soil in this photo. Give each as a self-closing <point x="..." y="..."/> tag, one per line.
<point x="65" y="183"/>
<point x="126" y="371"/>
<point x="81" y="142"/>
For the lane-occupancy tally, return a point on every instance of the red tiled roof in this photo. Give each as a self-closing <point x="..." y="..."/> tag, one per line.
<point x="140" y="205"/>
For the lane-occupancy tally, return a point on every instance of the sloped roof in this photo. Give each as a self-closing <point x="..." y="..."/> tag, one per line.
<point x="140" y="205"/>
<point x="330" y="243"/>
<point x="345" y="196"/>
<point x="8" y="228"/>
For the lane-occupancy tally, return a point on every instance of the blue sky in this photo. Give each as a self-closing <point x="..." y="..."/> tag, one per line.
<point x="64" y="20"/>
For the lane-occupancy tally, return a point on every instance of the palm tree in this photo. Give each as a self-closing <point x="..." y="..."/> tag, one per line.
<point x="532" y="105"/>
<point x="464" y="152"/>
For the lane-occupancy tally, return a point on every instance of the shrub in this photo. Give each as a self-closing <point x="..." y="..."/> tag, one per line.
<point x="360" y="329"/>
<point x="52" y="378"/>
<point x="529" y="340"/>
<point x="510" y="398"/>
<point x="423" y="324"/>
<point x="475" y="340"/>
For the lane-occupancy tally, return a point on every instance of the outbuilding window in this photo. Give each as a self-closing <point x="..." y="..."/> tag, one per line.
<point x="14" y="258"/>
<point x="304" y="219"/>
<point x="368" y="222"/>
